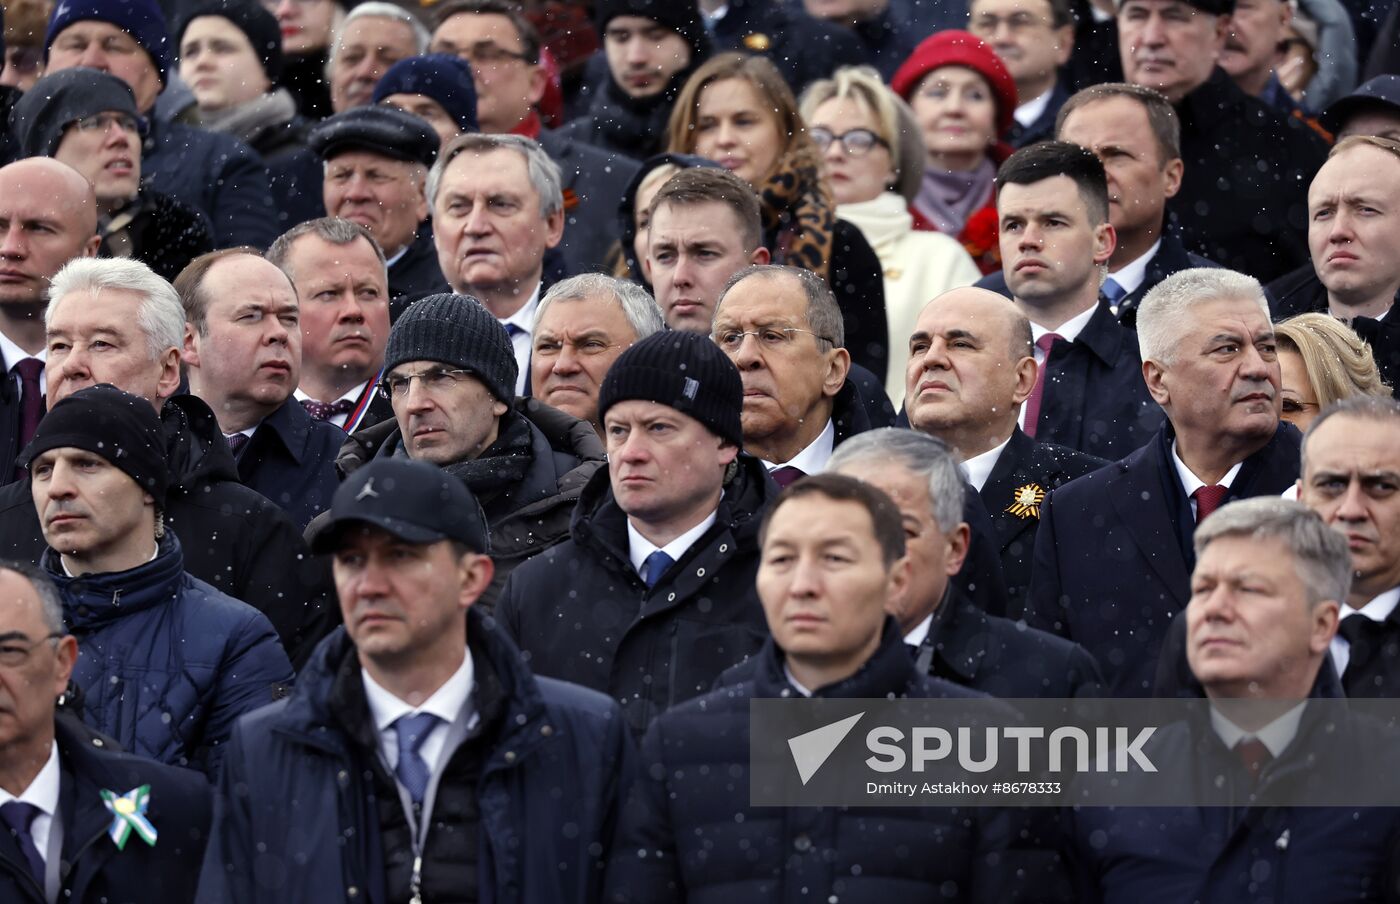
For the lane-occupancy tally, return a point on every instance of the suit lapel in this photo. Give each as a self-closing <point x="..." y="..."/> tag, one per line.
<point x="85" y="822"/>
<point x="1008" y="475"/>
<point x="1137" y="496"/>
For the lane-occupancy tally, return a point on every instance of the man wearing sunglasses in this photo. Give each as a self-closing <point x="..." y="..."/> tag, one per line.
<point x="450" y="374"/>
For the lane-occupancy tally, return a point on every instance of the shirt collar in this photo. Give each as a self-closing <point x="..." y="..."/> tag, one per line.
<point x="639" y="547"/>
<point x="813" y="459"/>
<point x="916" y="637"/>
<point x="1379" y="608"/>
<point x="13" y="354"/>
<point x="525" y="317"/>
<point x="1131" y="274"/>
<point x="979" y="467"/>
<point x="1276" y="736"/>
<point x="353" y="395"/>
<point x="445" y="703"/>
<point x="796" y="685"/>
<point x="1031" y="110"/>
<point x="43" y="791"/>
<point x="1069" y="330"/>
<point x="1191" y="483"/>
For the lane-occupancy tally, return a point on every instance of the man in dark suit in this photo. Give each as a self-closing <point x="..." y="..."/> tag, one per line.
<point x="1135" y="133"/>
<point x="970" y="369"/>
<point x="56" y="775"/>
<point x="1056" y="239"/>
<point x="1113" y="553"/>
<point x="1034" y="38"/>
<point x="339" y="275"/>
<point x="243" y="357"/>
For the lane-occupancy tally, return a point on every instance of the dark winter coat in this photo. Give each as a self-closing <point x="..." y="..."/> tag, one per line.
<point x="232" y="537"/>
<point x="632" y="127"/>
<point x="1113" y="554"/>
<point x="858" y="281"/>
<point x="689" y="833"/>
<point x="529" y="499"/>
<point x="1018" y="136"/>
<point x="1301" y="292"/>
<point x="581" y="613"/>
<point x="219" y="176"/>
<point x="166" y="663"/>
<point x="803" y="48"/>
<point x="593" y="182"/>
<point x="890" y="36"/>
<point x="1025" y="463"/>
<point x="417" y="271"/>
<point x="1243" y="199"/>
<point x="290" y="459"/>
<point x="296" y="815"/>
<point x="92" y="869"/>
<point x="159" y="231"/>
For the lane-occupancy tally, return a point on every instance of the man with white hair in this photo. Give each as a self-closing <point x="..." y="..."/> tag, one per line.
<point x="1113" y="555"/>
<point x="115" y="321"/>
<point x="372" y="38"/>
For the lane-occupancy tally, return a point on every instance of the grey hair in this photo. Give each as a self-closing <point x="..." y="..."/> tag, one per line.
<point x="1165" y="311"/>
<point x="380" y="10"/>
<point x="1377" y="409"/>
<point x="640" y="309"/>
<point x="161" y="316"/>
<point x="1320" y="555"/>
<point x="544" y="174"/>
<point x="50" y="600"/>
<point x="332" y="230"/>
<point x="823" y="312"/>
<point x="926" y="456"/>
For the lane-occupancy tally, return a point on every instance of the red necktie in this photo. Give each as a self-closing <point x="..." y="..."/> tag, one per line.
<point x="1208" y="499"/>
<point x="786" y="475"/>
<point x="1044" y="343"/>
<point x="31" y="402"/>
<point x="1254" y="755"/>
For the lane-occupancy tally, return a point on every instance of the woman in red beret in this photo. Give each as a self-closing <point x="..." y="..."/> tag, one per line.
<point x="962" y="97"/>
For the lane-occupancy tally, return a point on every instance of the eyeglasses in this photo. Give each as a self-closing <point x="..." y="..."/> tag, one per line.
<point x="1295" y="406"/>
<point x="587" y="348"/>
<point x="857" y="142"/>
<point x="770" y="338"/>
<point x="14" y="654"/>
<point x="988" y="24"/>
<point x="489" y="53"/>
<point x="101" y="122"/>
<point x="434" y="379"/>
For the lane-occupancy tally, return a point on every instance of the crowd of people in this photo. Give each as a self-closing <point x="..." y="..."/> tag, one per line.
<point x="425" y="427"/>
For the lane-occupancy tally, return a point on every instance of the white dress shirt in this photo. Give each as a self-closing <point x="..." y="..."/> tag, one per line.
<point x="1131" y="274"/>
<point x="1276" y="736"/>
<point x="445" y="703"/>
<point x="353" y="396"/>
<point x="915" y="638"/>
<point x="1191" y="483"/>
<point x="812" y="459"/>
<point x="1377" y="610"/>
<point x="1028" y="112"/>
<point x="796" y="685"/>
<point x="13" y="354"/>
<point x="639" y="547"/>
<point x="1068" y="331"/>
<point x="979" y="467"/>
<point x="521" y="341"/>
<point x="43" y="794"/>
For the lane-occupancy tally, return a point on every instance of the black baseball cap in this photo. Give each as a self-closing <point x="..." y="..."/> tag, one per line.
<point x="413" y="500"/>
<point x="1380" y="93"/>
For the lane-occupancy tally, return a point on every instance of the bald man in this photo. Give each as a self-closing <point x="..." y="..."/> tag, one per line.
<point x="970" y="368"/>
<point x="48" y="216"/>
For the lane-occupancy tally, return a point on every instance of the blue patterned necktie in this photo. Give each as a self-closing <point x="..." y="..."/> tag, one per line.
<point x="654" y="566"/>
<point x="18" y="817"/>
<point x="413" y="772"/>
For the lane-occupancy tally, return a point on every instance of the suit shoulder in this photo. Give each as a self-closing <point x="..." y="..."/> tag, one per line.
<point x="1020" y="639"/>
<point x="576" y="703"/>
<point x="1052" y="457"/>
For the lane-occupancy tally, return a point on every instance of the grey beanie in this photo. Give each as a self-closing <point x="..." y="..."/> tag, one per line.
<point x="456" y="330"/>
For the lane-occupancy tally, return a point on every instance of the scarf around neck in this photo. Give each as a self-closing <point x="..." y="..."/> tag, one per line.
<point x="948" y="197"/>
<point x="799" y="212"/>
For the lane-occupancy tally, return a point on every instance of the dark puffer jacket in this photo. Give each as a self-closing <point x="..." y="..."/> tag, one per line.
<point x="581" y="613"/>
<point x="215" y="174"/>
<point x="296" y="815"/>
<point x="166" y="663"/>
<point x="527" y="512"/>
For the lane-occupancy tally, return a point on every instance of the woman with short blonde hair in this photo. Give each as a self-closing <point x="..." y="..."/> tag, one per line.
<point x="1322" y="361"/>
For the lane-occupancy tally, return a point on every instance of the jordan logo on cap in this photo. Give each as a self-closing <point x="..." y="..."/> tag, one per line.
<point x="367" y="491"/>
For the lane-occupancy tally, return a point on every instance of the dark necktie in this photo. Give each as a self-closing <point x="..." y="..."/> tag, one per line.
<point x="787" y="475"/>
<point x="1254" y="755"/>
<point x="324" y="411"/>
<point x="19" y="816"/>
<point x="513" y="329"/>
<point x="1045" y="344"/>
<point x="31" y="402"/>
<point x="1361" y="634"/>
<point x="236" y="442"/>
<point x="654" y="566"/>
<point x="1208" y="499"/>
<point x="1112" y="293"/>
<point x="412" y="770"/>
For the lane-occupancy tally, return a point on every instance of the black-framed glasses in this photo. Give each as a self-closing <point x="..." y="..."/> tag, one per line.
<point x="101" y="122"/>
<point x="857" y="142"/>
<point x="489" y="53"/>
<point x="14" y="653"/>
<point x="770" y="338"/>
<point x="434" y="379"/>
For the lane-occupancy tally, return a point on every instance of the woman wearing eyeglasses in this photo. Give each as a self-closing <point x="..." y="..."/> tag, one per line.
<point x="874" y="160"/>
<point x="1322" y="361"/>
<point x="739" y="112"/>
<point x="962" y="97"/>
<point x="87" y="119"/>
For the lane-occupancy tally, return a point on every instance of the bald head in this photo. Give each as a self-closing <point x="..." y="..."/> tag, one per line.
<point x="970" y="367"/>
<point x="48" y="216"/>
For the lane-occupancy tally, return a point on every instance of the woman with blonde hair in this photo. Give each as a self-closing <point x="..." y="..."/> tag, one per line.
<point x="1322" y="361"/>
<point x="873" y="158"/>
<point x="739" y="112"/>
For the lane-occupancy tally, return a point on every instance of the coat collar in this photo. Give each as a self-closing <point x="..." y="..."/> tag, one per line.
<point x="1103" y="334"/>
<point x="959" y="635"/>
<point x="848" y="414"/>
<point x="290" y="426"/>
<point x="93" y="600"/>
<point x="888" y="672"/>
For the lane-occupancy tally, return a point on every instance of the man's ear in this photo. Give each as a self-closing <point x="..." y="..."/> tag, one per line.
<point x="554" y="226"/>
<point x="190" y="352"/>
<point x="1154" y="375"/>
<point x="476" y="572"/>
<point x="760" y="256"/>
<point x="959" y="539"/>
<point x="837" y="368"/>
<point x="538" y="82"/>
<point x="169" y="382"/>
<point x="1026" y="373"/>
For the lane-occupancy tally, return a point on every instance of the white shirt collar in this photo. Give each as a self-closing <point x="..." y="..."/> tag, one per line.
<point x="1191" y="483"/>
<point x="639" y="547"/>
<point x="1378" y="610"/>
<point x="1276" y="736"/>
<point x="525" y="317"/>
<point x="43" y="794"/>
<point x="445" y="703"/>
<point x="1068" y="331"/>
<point x="916" y="637"/>
<point x="353" y="396"/>
<point x="521" y="342"/>
<point x="1131" y="274"/>
<point x="390" y="261"/>
<point x="1031" y="110"/>
<point x="979" y="467"/>
<point x="812" y="459"/>
<point x="14" y="354"/>
<point x="796" y="685"/>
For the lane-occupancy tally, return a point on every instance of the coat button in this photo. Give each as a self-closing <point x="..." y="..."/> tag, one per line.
<point x="700" y="572"/>
<point x="802" y="844"/>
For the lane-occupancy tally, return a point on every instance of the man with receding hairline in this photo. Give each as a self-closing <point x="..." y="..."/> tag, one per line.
<point x="48" y="216"/>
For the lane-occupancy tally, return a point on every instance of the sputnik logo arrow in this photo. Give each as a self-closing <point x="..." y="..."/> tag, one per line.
<point x="811" y="750"/>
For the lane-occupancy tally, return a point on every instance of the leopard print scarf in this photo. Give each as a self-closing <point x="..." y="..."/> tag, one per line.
<point x="799" y="212"/>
